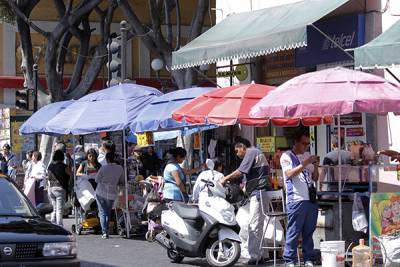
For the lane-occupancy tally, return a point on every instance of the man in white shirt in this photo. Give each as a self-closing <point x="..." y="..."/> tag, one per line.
<point x="299" y="171"/>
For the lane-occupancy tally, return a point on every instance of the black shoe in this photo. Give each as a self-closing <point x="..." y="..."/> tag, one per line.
<point x="254" y="261"/>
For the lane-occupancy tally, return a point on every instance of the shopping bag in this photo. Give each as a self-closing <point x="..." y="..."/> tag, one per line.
<point x="29" y="189"/>
<point x="359" y="220"/>
<point x="85" y="193"/>
<point x="269" y="234"/>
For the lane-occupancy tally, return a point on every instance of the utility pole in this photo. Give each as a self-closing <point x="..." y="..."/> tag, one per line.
<point x="35" y="101"/>
<point x="123" y="50"/>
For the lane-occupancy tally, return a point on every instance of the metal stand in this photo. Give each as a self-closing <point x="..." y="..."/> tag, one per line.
<point x="74" y="170"/>
<point x="340" y="179"/>
<point x="127" y="215"/>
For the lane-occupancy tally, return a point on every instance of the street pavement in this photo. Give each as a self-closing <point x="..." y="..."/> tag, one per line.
<point x="116" y="251"/>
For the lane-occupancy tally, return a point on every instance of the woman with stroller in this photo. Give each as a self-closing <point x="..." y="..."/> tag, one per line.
<point x="58" y="180"/>
<point x="108" y="178"/>
<point x="174" y="176"/>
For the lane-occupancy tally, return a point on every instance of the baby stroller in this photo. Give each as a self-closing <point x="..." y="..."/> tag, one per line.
<point x="87" y="220"/>
<point x="153" y="207"/>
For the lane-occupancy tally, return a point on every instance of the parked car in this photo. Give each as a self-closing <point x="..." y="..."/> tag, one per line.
<point x="26" y="237"/>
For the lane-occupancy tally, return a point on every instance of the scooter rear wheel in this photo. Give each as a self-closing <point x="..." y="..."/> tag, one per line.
<point x="174" y="256"/>
<point x="229" y="256"/>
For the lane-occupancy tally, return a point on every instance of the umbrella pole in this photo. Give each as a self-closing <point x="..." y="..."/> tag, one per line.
<point x="74" y="190"/>
<point x="340" y="180"/>
<point x="187" y="163"/>
<point x="127" y="215"/>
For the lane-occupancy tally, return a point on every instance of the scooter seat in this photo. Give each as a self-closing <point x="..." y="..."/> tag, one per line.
<point x="185" y="211"/>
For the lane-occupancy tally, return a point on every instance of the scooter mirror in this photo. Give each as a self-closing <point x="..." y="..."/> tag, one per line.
<point x="210" y="164"/>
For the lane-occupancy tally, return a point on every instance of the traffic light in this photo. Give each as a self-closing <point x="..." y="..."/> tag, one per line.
<point x="114" y="61"/>
<point x="22" y="99"/>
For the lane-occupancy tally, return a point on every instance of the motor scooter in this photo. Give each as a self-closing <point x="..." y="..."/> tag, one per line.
<point x="208" y="229"/>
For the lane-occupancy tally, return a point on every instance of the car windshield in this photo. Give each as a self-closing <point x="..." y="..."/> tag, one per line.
<point x="13" y="202"/>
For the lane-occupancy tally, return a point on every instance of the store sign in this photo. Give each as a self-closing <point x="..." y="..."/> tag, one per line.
<point x="346" y="31"/>
<point x="241" y="72"/>
<point x="145" y="139"/>
<point x="266" y="144"/>
<point x="350" y="119"/>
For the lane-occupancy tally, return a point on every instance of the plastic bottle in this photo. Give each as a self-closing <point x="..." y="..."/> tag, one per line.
<point x="362" y="255"/>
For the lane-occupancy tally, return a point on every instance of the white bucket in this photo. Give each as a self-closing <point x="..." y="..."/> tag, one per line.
<point x="333" y="253"/>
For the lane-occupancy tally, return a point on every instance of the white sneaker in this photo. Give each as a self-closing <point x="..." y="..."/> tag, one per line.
<point x="308" y="264"/>
<point x="104" y="236"/>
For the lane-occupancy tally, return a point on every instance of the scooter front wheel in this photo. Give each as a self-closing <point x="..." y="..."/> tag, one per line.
<point x="227" y="256"/>
<point x="174" y="256"/>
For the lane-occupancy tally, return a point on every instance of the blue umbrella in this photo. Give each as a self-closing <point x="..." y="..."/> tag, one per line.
<point x="37" y="122"/>
<point x="157" y="116"/>
<point x="111" y="109"/>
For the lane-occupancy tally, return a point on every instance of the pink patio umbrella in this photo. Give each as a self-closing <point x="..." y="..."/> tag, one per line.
<point x="334" y="91"/>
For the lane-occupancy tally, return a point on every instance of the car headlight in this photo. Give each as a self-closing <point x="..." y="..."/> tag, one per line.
<point x="59" y="249"/>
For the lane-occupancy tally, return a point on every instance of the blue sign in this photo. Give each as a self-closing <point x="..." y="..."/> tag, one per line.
<point x="347" y="31"/>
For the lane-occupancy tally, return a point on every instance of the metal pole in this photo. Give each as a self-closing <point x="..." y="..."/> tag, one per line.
<point x="340" y="180"/>
<point x="123" y="50"/>
<point x="74" y="190"/>
<point x="128" y="217"/>
<point x="35" y="101"/>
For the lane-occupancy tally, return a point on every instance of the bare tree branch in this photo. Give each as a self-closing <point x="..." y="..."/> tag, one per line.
<point x="63" y="53"/>
<point x="137" y="26"/>
<point x="23" y="17"/>
<point x="99" y="58"/>
<point x="178" y="25"/>
<point x="84" y="39"/>
<point x="168" y="22"/>
<point x="198" y="19"/>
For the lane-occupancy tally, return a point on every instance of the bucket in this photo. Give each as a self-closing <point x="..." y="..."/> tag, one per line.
<point x="333" y="253"/>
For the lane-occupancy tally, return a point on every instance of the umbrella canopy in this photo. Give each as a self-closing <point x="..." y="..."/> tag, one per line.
<point x="225" y="106"/>
<point x="37" y="122"/>
<point x="111" y="109"/>
<point x="158" y="114"/>
<point x="332" y="91"/>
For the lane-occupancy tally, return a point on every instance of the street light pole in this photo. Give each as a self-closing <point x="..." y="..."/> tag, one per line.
<point x="35" y="95"/>
<point x="123" y="50"/>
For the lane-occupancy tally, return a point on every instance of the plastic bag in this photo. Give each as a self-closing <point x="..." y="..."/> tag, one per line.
<point x="360" y="223"/>
<point x="85" y="193"/>
<point x="390" y="246"/>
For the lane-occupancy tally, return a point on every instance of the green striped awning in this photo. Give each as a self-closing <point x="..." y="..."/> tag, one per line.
<point x="254" y="33"/>
<point x="382" y="52"/>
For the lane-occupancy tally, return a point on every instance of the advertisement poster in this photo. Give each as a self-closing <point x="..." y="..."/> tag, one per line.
<point x="197" y="141"/>
<point x="384" y="217"/>
<point x="266" y="144"/>
<point x="145" y="139"/>
<point x="357" y="131"/>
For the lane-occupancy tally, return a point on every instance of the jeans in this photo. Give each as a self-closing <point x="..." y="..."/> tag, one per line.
<point x="302" y="220"/>
<point x="105" y="207"/>
<point x="57" y="197"/>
